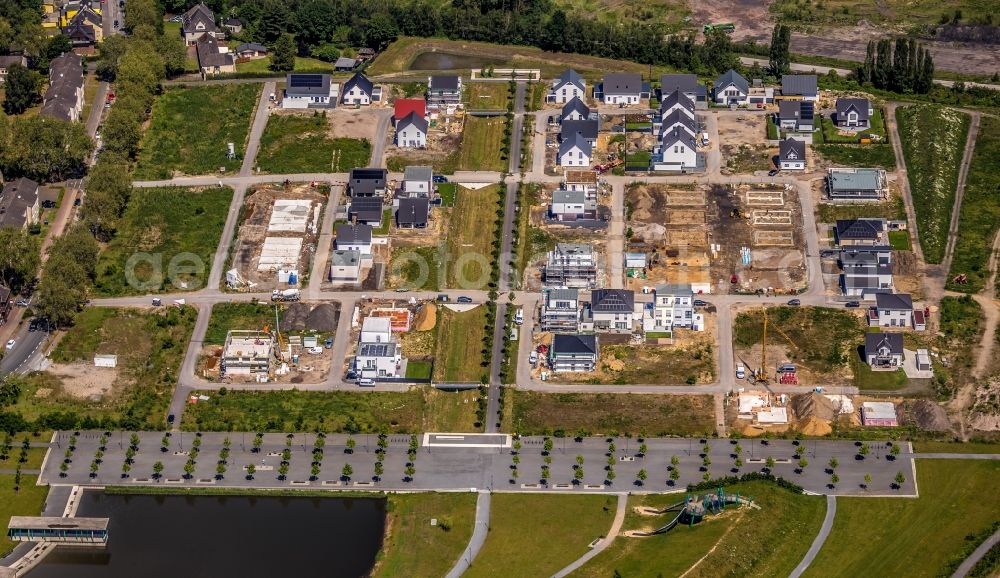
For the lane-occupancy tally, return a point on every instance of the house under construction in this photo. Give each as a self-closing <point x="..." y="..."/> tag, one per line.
<point x="247" y="352"/>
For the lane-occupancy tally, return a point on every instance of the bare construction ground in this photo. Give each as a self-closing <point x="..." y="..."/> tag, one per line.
<point x="351" y="123"/>
<point x="765" y="198"/>
<point x="444" y="137"/>
<point x="253" y="231"/>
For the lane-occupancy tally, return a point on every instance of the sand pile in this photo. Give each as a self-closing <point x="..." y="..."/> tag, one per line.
<point x="813" y="405"/>
<point x="426" y="318"/>
<point x="751" y="431"/>
<point x="814" y="426"/>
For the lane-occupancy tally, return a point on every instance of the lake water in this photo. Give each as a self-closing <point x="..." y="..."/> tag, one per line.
<point x="450" y="61"/>
<point x="221" y="536"/>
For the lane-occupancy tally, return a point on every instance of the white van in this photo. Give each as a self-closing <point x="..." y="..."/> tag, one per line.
<point x="519" y="316"/>
<point x="741" y="372"/>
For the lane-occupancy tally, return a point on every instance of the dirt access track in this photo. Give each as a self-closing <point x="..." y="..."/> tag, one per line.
<point x="753" y="20"/>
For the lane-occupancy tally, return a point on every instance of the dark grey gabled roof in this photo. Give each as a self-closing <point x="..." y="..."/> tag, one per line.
<point x="575" y="140"/>
<point x="792" y="149"/>
<point x="612" y="301"/>
<point x="366" y="209"/>
<point x="574" y="343"/>
<point x="875" y="341"/>
<point x="587" y="128"/>
<point x="622" y="83"/>
<point x="447" y="82"/>
<point x="799" y="85"/>
<point x="894" y="301"/>
<point x="676" y="97"/>
<point x="800" y="110"/>
<point x="858" y="105"/>
<point x="575" y="105"/>
<point x="413" y="119"/>
<point x="351" y="234"/>
<point x="255" y="46"/>
<point x="412" y="211"/>
<point x="669" y="139"/>
<point x="734" y="78"/>
<point x="199" y="13"/>
<point x="570" y="76"/>
<point x="15" y="200"/>
<point x="418" y="173"/>
<point x="359" y="80"/>
<point x="859" y="229"/>
<point x="209" y="54"/>
<point x="367" y="181"/>
<point x="687" y="83"/>
<point x="678" y="117"/>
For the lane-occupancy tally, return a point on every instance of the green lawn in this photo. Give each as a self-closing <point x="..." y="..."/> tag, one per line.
<point x="262" y="66"/>
<point x="419" y="369"/>
<point x="830" y="133"/>
<point x="892" y="209"/>
<point x="609" y="414"/>
<point x="290" y="410"/>
<point x="980" y="212"/>
<point x="537" y="535"/>
<point x="150" y="347"/>
<point x="410" y="537"/>
<point x="471" y="232"/>
<point x="747" y="542"/>
<point x="972" y="447"/>
<point x="448" y="191"/>
<point x="486" y="95"/>
<point x="415" y="268"/>
<point x="911" y="537"/>
<point x="190" y="128"/>
<point x="166" y="241"/>
<point x="867" y="379"/>
<point x="528" y="196"/>
<point x="27" y="501"/>
<point x="482" y="140"/>
<point x="933" y="138"/>
<point x="459" y="340"/>
<point x="226" y="316"/>
<point x="900" y="240"/>
<point x="873" y="155"/>
<point x="302" y="144"/>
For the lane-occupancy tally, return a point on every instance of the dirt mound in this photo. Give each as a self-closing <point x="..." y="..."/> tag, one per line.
<point x="324" y="317"/>
<point x="302" y="316"/>
<point x="426" y="318"/>
<point x="751" y="431"/>
<point x="813" y="405"/>
<point x="927" y="415"/>
<point x="813" y="426"/>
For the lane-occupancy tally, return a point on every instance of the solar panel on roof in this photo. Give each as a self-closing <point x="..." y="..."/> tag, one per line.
<point x="307" y="80"/>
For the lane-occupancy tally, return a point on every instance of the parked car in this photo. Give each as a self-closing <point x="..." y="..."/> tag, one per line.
<point x="329" y="343"/>
<point x="442" y="298"/>
<point x="464" y="299"/>
<point x="772" y="172"/>
<point x="852" y="304"/>
<point x="700" y="303"/>
<point x="170" y="418"/>
<point x="11" y="344"/>
<point x="533" y="358"/>
<point x="741" y="372"/>
<point x="157" y="302"/>
<point x="795" y="302"/>
<point x="440" y="179"/>
<point x="48" y="204"/>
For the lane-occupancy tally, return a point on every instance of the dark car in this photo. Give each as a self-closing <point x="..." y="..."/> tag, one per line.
<point x="852" y="304"/>
<point x="76" y="203"/>
<point x="795" y="302"/>
<point x="700" y="303"/>
<point x="329" y="343"/>
<point x="48" y="204"/>
<point x="440" y="179"/>
<point x="464" y="299"/>
<point x="442" y="298"/>
<point x="170" y="418"/>
<point x="772" y="172"/>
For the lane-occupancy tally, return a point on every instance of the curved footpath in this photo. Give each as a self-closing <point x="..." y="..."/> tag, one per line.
<point x="479" y="531"/>
<point x="977" y="555"/>
<point x="824" y="531"/>
<point x="606" y="541"/>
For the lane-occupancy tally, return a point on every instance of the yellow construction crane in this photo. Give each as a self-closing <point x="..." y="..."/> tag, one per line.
<point x="761" y="375"/>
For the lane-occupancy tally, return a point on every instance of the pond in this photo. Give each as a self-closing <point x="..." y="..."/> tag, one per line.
<point x="451" y="61"/>
<point x="214" y="536"/>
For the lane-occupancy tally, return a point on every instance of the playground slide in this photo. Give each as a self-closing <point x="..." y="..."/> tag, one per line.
<point x="662" y="529"/>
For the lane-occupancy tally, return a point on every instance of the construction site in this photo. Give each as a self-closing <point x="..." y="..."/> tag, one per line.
<point x="444" y="138"/>
<point x="293" y="348"/>
<point x="277" y="236"/>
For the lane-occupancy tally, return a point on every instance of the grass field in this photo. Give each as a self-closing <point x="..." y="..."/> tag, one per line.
<point x="933" y="138"/>
<point x="172" y="233"/>
<point x="416" y="268"/>
<point x="900" y="240"/>
<point x="972" y="447"/>
<point x="957" y="498"/>
<point x="656" y="365"/>
<point x="866" y="379"/>
<point x="896" y="13"/>
<point x="537" y="535"/>
<point x="979" y="216"/>
<point x="471" y="232"/>
<point x="874" y="155"/>
<point x="482" y="140"/>
<point x="825" y="337"/>
<point x="150" y="347"/>
<point x="226" y="316"/>
<point x="190" y="128"/>
<point x="302" y="144"/>
<point x="409" y="536"/>
<point x="486" y="95"/>
<point x="529" y="194"/>
<point x="608" y="414"/>
<point x="459" y="340"/>
<point x="738" y="542"/>
<point x="416" y="410"/>
<point x="28" y="501"/>
<point x="261" y="66"/>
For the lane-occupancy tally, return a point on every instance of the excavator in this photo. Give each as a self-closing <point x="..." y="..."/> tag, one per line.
<point x="760" y="376"/>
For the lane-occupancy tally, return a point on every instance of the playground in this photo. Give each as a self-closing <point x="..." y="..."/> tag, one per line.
<point x="692" y="510"/>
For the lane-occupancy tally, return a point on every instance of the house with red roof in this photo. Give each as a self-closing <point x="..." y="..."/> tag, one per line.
<point x="404" y="106"/>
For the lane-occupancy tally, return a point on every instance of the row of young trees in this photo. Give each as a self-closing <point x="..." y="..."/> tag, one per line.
<point x="900" y="66"/>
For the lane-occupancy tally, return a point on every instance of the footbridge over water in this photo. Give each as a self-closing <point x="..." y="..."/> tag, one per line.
<point x="74" y="531"/>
